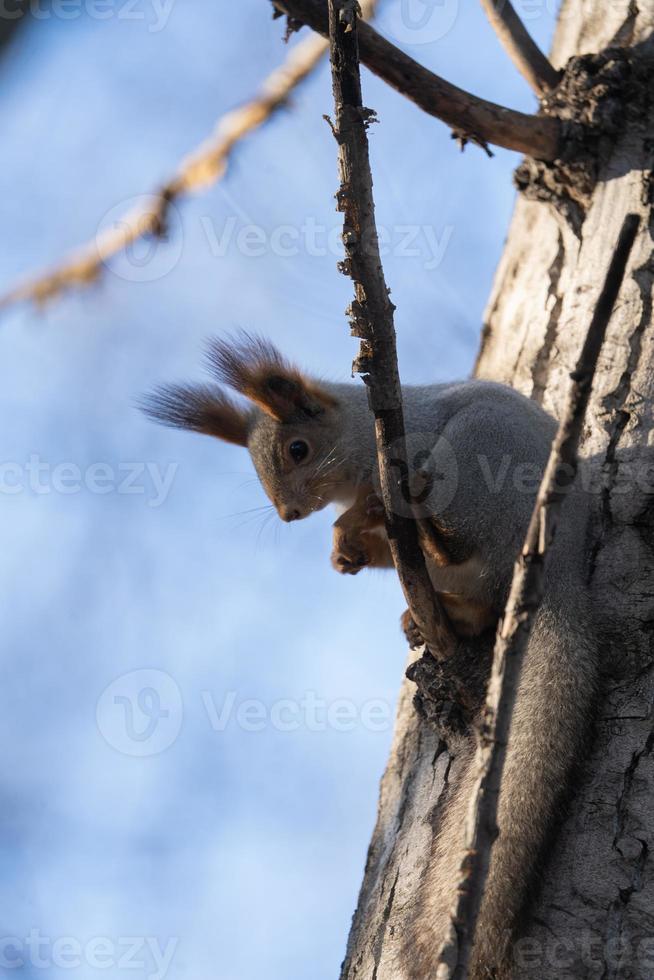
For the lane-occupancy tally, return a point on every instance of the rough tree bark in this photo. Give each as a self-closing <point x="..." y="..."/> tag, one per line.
<point x="594" y="914"/>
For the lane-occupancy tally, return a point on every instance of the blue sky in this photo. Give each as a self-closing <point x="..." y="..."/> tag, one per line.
<point x="195" y="708"/>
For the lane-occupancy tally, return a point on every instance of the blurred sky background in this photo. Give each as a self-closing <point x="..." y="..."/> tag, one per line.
<point x="140" y="798"/>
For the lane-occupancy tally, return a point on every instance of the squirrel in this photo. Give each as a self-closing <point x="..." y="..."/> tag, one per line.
<point x="312" y="443"/>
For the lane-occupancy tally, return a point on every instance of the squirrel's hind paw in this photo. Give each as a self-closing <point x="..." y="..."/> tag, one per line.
<point x="409" y="628"/>
<point x="349" y="556"/>
<point x="348" y="567"/>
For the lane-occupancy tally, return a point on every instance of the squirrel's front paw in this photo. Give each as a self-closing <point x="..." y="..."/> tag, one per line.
<point x="349" y="554"/>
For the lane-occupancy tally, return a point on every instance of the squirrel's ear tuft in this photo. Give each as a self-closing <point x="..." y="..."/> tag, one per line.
<point x="200" y="408"/>
<point x="256" y="369"/>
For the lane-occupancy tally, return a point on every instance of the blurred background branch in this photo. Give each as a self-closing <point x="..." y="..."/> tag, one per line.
<point x="198" y="171"/>
<point x="10" y="22"/>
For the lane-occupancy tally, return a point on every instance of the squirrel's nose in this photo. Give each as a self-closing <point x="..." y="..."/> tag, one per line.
<point x="291" y="515"/>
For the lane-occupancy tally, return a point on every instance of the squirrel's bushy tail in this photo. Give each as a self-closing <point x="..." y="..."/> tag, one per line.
<point x="549" y="733"/>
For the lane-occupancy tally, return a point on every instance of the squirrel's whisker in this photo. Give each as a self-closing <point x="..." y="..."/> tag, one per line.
<point x="242" y="513"/>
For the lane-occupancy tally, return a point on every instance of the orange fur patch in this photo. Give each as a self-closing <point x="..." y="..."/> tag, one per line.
<point x="256" y="369"/>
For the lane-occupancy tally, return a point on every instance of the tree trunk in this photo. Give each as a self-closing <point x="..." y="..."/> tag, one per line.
<point x="594" y="914"/>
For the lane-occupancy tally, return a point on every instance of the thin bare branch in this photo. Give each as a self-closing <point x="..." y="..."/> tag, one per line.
<point x="526" y="594"/>
<point x="520" y="46"/>
<point x="470" y="117"/>
<point x="202" y="168"/>
<point x="372" y="321"/>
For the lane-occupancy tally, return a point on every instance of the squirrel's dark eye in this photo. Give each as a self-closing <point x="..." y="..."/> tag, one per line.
<point x="298" y="450"/>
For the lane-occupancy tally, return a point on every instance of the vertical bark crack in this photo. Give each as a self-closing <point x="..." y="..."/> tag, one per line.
<point x="383" y="925"/>
<point x="614" y="403"/>
<point x="541" y="366"/>
<point x="618" y="907"/>
<point x="621" y="810"/>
